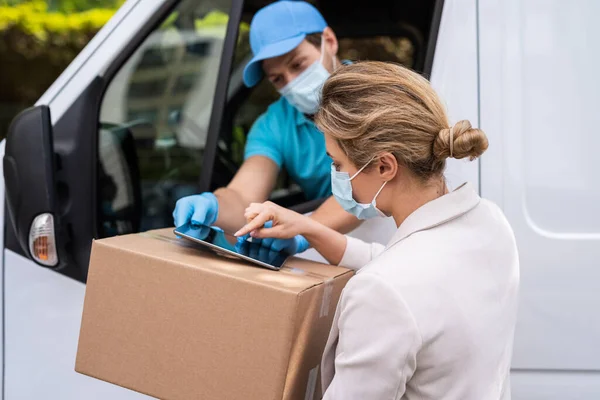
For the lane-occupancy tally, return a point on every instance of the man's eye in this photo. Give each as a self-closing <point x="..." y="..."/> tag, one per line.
<point x="296" y="66"/>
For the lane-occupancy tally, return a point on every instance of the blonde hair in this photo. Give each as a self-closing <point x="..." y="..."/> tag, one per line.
<point x="371" y="108"/>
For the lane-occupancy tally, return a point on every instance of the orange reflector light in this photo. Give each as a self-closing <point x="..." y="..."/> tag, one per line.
<point x="42" y="242"/>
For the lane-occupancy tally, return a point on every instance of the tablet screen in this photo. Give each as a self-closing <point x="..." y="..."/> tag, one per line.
<point x="216" y="239"/>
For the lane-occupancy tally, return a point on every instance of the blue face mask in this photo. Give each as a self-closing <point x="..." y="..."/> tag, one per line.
<point x="304" y="91"/>
<point x="341" y="186"/>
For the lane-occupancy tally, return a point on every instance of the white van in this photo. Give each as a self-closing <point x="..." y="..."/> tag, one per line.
<point x="153" y="109"/>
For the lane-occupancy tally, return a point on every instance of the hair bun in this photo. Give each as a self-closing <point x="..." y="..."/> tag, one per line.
<point x="460" y="141"/>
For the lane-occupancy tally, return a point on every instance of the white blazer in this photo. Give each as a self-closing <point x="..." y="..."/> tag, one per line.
<point x="431" y="315"/>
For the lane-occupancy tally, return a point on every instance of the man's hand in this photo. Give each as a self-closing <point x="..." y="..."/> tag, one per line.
<point x="294" y="245"/>
<point x="297" y="244"/>
<point x="201" y="209"/>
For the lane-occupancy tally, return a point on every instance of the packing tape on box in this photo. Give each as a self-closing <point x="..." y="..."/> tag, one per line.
<point x="326" y="301"/>
<point x="311" y="385"/>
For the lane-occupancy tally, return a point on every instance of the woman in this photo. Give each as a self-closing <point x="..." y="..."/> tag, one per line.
<point x="431" y="315"/>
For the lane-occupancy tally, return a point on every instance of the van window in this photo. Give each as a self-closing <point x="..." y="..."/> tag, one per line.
<point x="154" y="119"/>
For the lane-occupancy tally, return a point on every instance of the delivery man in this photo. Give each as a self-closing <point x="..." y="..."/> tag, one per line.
<point x="296" y="50"/>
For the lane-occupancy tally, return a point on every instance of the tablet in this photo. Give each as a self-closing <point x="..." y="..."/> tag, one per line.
<point x="225" y="244"/>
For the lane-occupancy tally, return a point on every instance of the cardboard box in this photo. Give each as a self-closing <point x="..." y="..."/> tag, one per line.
<point x="169" y="319"/>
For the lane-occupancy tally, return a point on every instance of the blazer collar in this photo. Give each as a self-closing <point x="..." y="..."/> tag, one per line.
<point x="437" y="212"/>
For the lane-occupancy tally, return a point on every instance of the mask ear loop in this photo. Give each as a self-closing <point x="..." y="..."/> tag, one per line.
<point x="362" y="169"/>
<point x="379" y="191"/>
<point x="333" y="58"/>
<point x="322" y="50"/>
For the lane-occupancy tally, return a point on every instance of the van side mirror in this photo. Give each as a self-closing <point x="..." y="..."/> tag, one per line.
<point x="29" y="169"/>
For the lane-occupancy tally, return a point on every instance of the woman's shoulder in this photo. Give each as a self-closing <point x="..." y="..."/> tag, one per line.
<point x="424" y="257"/>
<point x="407" y="263"/>
<point x="492" y="217"/>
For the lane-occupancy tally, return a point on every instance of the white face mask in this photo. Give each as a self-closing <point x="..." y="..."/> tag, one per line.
<point x="304" y="92"/>
<point x="341" y="187"/>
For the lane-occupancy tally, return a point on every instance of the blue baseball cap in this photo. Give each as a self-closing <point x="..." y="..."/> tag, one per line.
<point x="278" y="29"/>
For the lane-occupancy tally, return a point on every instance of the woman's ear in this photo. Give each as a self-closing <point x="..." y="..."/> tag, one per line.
<point x="388" y="166"/>
<point x="331" y="42"/>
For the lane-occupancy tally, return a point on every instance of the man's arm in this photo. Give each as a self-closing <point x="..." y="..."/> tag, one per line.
<point x="253" y="183"/>
<point x="331" y="214"/>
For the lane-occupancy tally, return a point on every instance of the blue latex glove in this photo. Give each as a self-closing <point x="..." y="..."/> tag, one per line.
<point x="297" y="244"/>
<point x="256" y="251"/>
<point x="200" y="209"/>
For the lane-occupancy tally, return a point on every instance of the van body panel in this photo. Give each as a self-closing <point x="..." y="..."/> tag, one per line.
<point x="41" y="323"/>
<point x="555" y="385"/>
<point x="539" y="96"/>
<point x="454" y="77"/>
<point x="2" y="284"/>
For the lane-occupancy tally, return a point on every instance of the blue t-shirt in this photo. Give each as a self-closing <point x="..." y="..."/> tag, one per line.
<point x="293" y="142"/>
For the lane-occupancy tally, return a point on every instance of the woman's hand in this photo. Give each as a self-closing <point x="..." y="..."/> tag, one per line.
<point x="285" y="223"/>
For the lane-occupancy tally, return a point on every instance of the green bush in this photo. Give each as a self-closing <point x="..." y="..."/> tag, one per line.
<point x="68" y="6"/>
<point x="36" y="45"/>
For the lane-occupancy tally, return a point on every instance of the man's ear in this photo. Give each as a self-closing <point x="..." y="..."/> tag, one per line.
<point x="331" y="42"/>
<point x="388" y="166"/>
